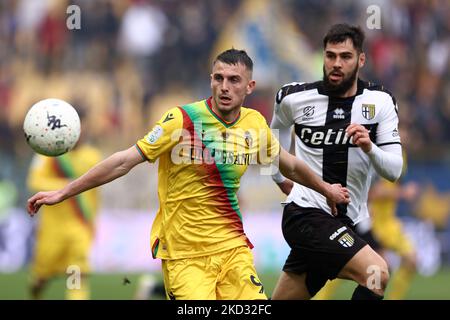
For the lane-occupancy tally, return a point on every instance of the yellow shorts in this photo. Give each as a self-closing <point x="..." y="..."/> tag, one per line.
<point x="56" y="249"/>
<point x="391" y="236"/>
<point x="227" y="275"/>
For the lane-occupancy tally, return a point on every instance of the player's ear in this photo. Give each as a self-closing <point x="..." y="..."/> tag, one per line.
<point x="361" y="59"/>
<point x="211" y="76"/>
<point x="251" y="86"/>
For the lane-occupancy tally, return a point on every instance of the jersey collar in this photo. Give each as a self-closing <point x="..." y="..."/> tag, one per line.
<point x="223" y="121"/>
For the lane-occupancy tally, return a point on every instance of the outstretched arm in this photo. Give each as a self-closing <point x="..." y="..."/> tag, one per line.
<point x="115" y="166"/>
<point x="298" y="171"/>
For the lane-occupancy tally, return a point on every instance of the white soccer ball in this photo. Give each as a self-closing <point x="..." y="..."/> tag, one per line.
<point x="52" y="127"/>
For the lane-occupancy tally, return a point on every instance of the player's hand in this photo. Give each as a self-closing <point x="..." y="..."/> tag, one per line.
<point x="286" y="186"/>
<point x="40" y="198"/>
<point x="337" y="194"/>
<point x="360" y="136"/>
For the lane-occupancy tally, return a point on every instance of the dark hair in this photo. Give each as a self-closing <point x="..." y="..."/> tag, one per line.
<point x="341" y="32"/>
<point x="233" y="56"/>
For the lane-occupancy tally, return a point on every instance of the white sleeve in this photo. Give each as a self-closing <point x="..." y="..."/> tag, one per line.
<point x="387" y="131"/>
<point x="387" y="160"/>
<point x="284" y="137"/>
<point x="282" y="122"/>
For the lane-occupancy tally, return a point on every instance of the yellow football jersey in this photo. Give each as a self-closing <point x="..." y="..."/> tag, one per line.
<point x="52" y="173"/>
<point x="65" y="230"/>
<point x="386" y="226"/>
<point x="201" y="161"/>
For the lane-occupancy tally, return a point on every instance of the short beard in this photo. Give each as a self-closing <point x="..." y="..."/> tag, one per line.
<point x="343" y="87"/>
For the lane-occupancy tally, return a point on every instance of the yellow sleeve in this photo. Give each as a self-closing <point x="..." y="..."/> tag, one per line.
<point x="163" y="137"/>
<point x="42" y="176"/>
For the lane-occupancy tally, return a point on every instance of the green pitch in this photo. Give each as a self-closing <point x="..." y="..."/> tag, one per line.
<point x="113" y="286"/>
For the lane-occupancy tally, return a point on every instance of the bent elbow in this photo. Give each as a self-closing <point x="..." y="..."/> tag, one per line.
<point x="395" y="174"/>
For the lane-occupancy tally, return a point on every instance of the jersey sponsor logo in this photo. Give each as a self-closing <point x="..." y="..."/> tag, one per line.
<point x="339" y="114"/>
<point x="155" y="134"/>
<point x="317" y="137"/>
<point x="395" y="133"/>
<point x="308" y="113"/>
<point x="346" y="240"/>
<point x="338" y="232"/>
<point x="169" y="117"/>
<point x="368" y="111"/>
<point x="321" y="136"/>
<point x="256" y="282"/>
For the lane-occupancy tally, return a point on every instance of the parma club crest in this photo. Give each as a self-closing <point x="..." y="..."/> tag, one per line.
<point x="346" y="240"/>
<point x="368" y="111"/>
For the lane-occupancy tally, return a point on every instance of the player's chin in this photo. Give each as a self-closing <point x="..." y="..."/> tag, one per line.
<point x="227" y="106"/>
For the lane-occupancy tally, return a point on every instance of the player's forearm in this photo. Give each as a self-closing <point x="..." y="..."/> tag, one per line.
<point x="298" y="171"/>
<point x="109" y="169"/>
<point x="387" y="161"/>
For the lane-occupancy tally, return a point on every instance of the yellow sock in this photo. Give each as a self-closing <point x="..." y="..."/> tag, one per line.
<point x="79" y="294"/>
<point x="327" y="292"/>
<point x="400" y="283"/>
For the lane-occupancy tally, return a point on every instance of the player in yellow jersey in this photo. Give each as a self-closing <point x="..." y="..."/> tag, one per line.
<point x="203" y="149"/>
<point x="65" y="231"/>
<point x="387" y="229"/>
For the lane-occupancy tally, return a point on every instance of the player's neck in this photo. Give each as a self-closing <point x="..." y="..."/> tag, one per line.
<point x="227" y="116"/>
<point x="352" y="91"/>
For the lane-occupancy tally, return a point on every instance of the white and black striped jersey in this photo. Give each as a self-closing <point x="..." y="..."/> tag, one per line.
<point x="320" y="121"/>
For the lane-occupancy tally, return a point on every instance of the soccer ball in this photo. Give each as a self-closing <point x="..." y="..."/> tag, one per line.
<point x="52" y="127"/>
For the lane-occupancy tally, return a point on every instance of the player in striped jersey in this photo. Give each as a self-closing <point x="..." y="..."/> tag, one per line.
<point x="344" y="129"/>
<point x="203" y="149"/>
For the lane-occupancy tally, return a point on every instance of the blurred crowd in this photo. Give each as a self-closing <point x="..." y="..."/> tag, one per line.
<point x="132" y="59"/>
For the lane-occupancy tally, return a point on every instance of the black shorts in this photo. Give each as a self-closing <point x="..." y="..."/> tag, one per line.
<point x="370" y="239"/>
<point x="320" y="244"/>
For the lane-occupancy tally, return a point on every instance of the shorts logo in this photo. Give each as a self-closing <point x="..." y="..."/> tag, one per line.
<point x="368" y="111"/>
<point x="155" y="134"/>
<point x="337" y="232"/>
<point x="346" y="240"/>
<point x="257" y="283"/>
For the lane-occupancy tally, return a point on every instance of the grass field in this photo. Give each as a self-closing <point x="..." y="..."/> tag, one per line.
<point x="111" y="286"/>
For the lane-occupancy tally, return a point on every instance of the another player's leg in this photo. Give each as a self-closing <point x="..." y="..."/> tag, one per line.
<point x="403" y="276"/>
<point x="82" y="292"/>
<point x="77" y="262"/>
<point x="291" y="286"/>
<point x="37" y="288"/>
